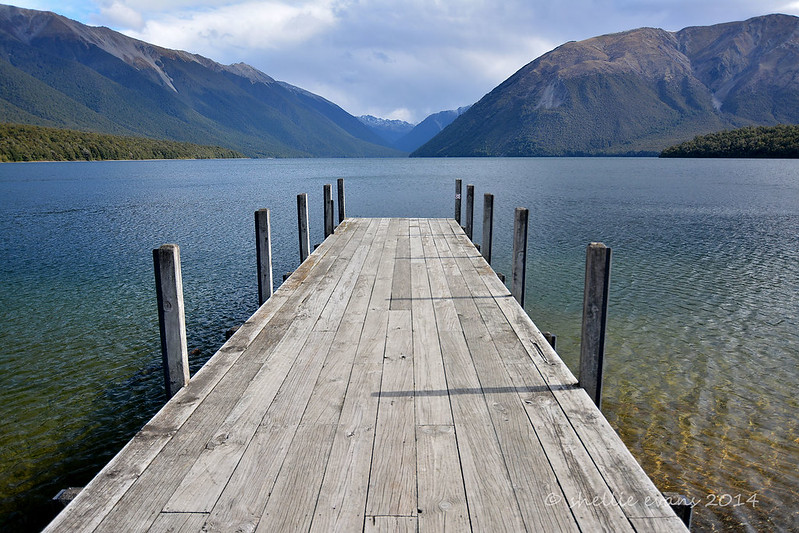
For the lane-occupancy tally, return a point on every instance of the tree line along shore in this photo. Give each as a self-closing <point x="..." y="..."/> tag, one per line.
<point x="778" y="142"/>
<point x="20" y="142"/>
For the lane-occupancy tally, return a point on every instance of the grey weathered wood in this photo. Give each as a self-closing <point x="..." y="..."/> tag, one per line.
<point x="442" y="498"/>
<point x="302" y="226"/>
<point x="392" y="483"/>
<point x="341" y="209"/>
<point x="469" y="222"/>
<point x="171" y="317"/>
<point x="263" y="252"/>
<point x="488" y="226"/>
<point x="328" y="209"/>
<point x="458" y="191"/>
<point x="330" y="411"/>
<point x="519" y="262"/>
<point x="595" y="312"/>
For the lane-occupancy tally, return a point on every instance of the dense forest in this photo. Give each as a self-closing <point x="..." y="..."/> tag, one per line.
<point x="781" y="141"/>
<point x="34" y="143"/>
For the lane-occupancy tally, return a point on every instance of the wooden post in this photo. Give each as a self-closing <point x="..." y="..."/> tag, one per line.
<point x="488" y="226"/>
<point x="171" y="317"/>
<point x="263" y="252"/>
<point x="551" y="338"/>
<point x="328" y="209"/>
<point x="595" y="311"/>
<point x="469" y="223"/>
<point x="340" y="187"/>
<point x="458" y="186"/>
<point x="519" y="265"/>
<point x="302" y="225"/>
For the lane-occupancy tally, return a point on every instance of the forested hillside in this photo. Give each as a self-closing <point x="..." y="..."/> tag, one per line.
<point x="35" y="143"/>
<point x="781" y="141"/>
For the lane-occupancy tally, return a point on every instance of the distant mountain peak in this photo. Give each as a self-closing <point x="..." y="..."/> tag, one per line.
<point x="636" y="92"/>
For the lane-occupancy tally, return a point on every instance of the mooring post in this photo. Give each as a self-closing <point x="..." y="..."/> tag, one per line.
<point x="263" y="252"/>
<point x="171" y="317"/>
<point x="488" y="226"/>
<point x="340" y="190"/>
<point x="595" y="311"/>
<point x="519" y="265"/>
<point x="302" y="226"/>
<point x="328" y="209"/>
<point x="469" y="223"/>
<point x="458" y="187"/>
<point x="551" y="338"/>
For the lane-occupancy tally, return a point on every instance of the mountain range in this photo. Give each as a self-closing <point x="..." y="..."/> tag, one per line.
<point x="628" y="93"/>
<point x="405" y="136"/>
<point x="57" y="72"/>
<point x="636" y="92"/>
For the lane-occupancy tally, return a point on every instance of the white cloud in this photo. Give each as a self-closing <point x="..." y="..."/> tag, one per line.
<point x="248" y="25"/>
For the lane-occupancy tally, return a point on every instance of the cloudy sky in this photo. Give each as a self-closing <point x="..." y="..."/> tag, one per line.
<point x="398" y="59"/>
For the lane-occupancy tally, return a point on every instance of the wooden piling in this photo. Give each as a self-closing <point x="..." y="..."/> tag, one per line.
<point x="552" y="339"/>
<point x="263" y="251"/>
<point x="171" y="317"/>
<point x="458" y="189"/>
<point x="328" y="209"/>
<point x="340" y="190"/>
<point x="469" y="223"/>
<point x="302" y="226"/>
<point x="519" y="264"/>
<point x="488" y="226"/>
<point x="595" y="310"/>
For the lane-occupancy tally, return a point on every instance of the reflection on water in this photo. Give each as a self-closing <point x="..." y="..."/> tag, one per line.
<point x="703" y="335"/>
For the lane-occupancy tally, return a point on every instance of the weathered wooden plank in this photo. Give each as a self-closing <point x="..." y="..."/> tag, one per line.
<point x="247" y="490"/>
<point x="333" y="312"/>
<point x="291" y="505"/>
<point x="401" y="279"/>
<point x="432" y="407"/>
<point x="442" y="497"/>
<point x="178" y="523"/>
<point x="446" y="314"/>
<point x="392" y="483"/>
<point x="390" y="524"/>
<point x="660" y="524"/>
<point x="342" y="498"/>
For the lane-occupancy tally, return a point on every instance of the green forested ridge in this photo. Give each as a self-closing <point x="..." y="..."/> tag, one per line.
<point x="781" y="141"/>
<point x="35" y="143"/>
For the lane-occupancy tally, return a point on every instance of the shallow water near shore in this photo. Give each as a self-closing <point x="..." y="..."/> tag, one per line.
<point x="702" y="362"/>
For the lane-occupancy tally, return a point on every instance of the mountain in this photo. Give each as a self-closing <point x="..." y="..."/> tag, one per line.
<point x="60" y="73"/>
<point x="636" y="92"/>
<point x="427" y="129"/>
<point x="389" y="130"/>
<point x="406" y="137"/>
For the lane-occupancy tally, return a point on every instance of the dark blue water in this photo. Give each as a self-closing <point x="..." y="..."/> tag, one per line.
<point x="703" y="335"/>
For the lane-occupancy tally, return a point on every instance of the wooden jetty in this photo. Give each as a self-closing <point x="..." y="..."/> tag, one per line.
<point x="391" y="384"/>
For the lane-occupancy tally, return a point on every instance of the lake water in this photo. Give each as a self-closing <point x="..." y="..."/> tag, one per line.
<point x="702" y="359"/>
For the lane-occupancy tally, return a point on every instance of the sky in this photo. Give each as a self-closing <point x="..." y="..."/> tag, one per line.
<point x="397" y="59"/>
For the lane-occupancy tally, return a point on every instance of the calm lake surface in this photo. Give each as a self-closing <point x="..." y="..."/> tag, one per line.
<point x="702" y="361"/>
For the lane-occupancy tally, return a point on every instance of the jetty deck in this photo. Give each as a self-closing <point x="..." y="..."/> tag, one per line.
<point x="391" y="384"/>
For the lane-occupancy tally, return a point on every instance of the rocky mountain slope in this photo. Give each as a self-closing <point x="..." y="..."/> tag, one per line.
<point x="636" y="92"/>
<point x="57" y="72"/>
